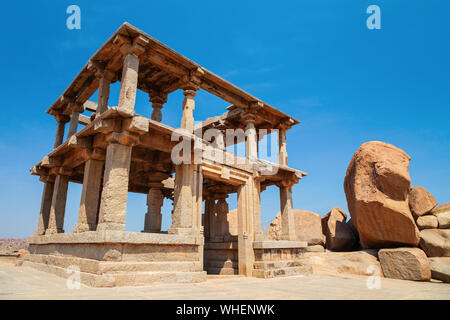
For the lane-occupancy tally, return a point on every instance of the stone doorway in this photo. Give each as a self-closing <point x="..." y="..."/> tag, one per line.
<point x="220" y="253"/>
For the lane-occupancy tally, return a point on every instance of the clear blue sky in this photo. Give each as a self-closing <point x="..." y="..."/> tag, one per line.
<point x="315" y="60"/>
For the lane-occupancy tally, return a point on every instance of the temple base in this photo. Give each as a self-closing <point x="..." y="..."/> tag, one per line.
<point x="114" y="258"/>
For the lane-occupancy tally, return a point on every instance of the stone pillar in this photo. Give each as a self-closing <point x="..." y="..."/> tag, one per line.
<point x="90" y="196"/>
<point x="252" y="140"/>
<point x="183" y="211"/>
<point x="187" y="120"/>
<point x="129" y="80"/>
<point x="62" y="120"/>
<point x="113" y="206"/>
<point x="221" y="226"/>
<point x="184" y="207"/>
<point x="103" y="96"/>
<point x="287" y="213"/>
<point x="157" y="99"/>
<point x="282" y="153"/>
<point x="257" y="226"/>
<point x="209" y="217"/>
<point x="245" y="231"/>
<point x="46" y="203"/>
<point x="155" y="200"/>
<point x="58" y="204"/>
<point x="77" y="109"/>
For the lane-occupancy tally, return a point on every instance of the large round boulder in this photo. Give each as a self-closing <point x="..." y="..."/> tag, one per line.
<point x="377" y="184"/>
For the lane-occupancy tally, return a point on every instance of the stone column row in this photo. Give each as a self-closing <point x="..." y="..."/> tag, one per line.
<point x="108" y="211"/>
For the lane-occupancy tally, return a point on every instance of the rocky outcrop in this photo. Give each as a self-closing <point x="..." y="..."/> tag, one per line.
<point x="405" y="264"/>
<point x="435" y="242"/>
<point x="332" y="263"/>
<point x="308" y="227"/>
<point x="376" y="185"/>
<point x="427" y="222"/>
<point x="421" y="201"/>
<point x="440" y="269"/>
<point x="339" y="235"/>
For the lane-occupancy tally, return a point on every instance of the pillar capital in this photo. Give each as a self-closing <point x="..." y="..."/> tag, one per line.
<point x="75" y="107"/>
<point x="157" y="98"/>
<point x="62" y="118"/>
<point x="124" y="138"/>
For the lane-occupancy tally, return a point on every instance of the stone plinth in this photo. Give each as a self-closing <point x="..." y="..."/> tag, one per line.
<point x="118" y="258"/>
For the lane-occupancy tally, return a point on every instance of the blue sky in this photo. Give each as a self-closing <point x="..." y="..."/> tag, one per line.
<point x="315" y="60"/>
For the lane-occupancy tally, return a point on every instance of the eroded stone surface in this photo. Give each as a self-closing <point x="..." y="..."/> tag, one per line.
<point x="376" y="185"/>
<point x="308" y="227"/>
<point x="405" y="264"/>
<point x="339" y="235"/>
<point x="421" y="201"/>
<point x="427" y="222"/>
<point x="329" y="263"/>
<point x="435" y="242"/>
<point x="440" y="268"/>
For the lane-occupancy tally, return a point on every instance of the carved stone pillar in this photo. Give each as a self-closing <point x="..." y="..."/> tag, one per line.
<point x="287" y="212"/>
<point x="257" y="226"/>
<point x="106" y="77"/>
<point x="77" y="109"/>
<point x="182" y="217"/>
<point x="221" y="227"/>
<point x="90" y="196"/>
<point x="286" y="205"/>
<point x="130" y="70"/>
<point x="282" y="153"/>
<point x="62" y="120"/>
<point x="245" y="231"/>
<point x="113" y="206"/>
<point x="187" y="120"/>
<point x="155" y="200"/>
<point x="58" y="205"/>
<point x="157" y="99"/>
<point x="209" y="217"/>
<point x="252" y="141"/>
<point x="46" y="202"/>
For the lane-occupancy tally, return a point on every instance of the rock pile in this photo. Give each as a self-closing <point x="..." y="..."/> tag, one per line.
<point x="392" y="216"/>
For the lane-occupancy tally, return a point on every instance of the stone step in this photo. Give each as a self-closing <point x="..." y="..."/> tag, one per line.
<point x="100" y="267"/>
<point x="121" y="278"/>
<point x="124" y="278"/>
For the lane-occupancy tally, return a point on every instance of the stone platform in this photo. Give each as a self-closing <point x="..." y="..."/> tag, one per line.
<point x="116" y="258"/>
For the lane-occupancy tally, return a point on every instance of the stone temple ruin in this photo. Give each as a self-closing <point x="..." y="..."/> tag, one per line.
<point x="117" y="151"/>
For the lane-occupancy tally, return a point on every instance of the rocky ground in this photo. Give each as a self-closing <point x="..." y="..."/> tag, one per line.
<point x="10" y="247"/>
